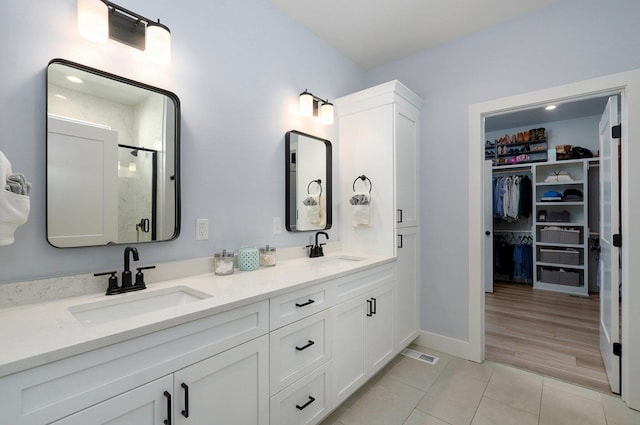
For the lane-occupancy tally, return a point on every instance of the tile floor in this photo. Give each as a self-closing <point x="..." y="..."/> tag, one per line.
<point x="459" y="392"/>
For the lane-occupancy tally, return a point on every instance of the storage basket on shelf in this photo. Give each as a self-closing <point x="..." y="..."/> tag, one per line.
<point x="560" y="256"/>
<point x="560" y="277"/>
<point x="554" y="235"/>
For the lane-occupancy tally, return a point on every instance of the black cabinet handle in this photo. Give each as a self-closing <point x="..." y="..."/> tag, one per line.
<point x="401" y="240"/>
<point x="374" y="309"/>
<point x="167" y="421"/>
<point x="185" y="412"/>
<point x="488" y="232"/>
<point x="305" y="304"/>
<point x="309" y="344"/>
<point x="399" y="215"/>
<point x="369" y="308"/>
<point x="311" y="400"/>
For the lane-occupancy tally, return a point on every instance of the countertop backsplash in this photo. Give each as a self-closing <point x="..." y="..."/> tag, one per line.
<point x="53" y="288"/>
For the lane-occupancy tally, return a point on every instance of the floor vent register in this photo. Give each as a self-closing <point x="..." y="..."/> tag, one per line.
<point x="423" y="357"/>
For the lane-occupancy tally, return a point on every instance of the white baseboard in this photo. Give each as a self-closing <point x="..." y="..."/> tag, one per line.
<point x="444" y="344"/>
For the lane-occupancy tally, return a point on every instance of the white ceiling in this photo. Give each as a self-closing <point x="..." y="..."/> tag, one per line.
<point x="375" y="32"/>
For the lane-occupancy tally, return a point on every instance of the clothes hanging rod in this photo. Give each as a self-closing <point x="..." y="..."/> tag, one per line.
<point x="512" y="231"/>
<point x="511" y="171"/>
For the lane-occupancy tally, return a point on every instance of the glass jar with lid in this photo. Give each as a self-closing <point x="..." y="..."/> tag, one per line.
<point x="223" y="263"/>
<point x="267" y="256"/>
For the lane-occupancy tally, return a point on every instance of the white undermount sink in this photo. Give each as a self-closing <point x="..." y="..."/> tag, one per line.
<point x="336" y="260"/>
<point x="133" y="304"/>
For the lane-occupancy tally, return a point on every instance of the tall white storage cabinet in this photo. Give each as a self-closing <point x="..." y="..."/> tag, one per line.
<point x="378" y="138"/>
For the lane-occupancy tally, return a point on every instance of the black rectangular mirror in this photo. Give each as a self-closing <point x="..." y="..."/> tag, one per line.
<point x="308" y="182"/>
<point x="112" y="159"/>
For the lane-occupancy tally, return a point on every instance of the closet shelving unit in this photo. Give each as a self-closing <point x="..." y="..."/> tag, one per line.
<point x="561" y="247"/>
<point x="491" y="152"/>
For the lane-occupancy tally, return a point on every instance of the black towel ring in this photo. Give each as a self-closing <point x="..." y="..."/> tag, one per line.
<point x="363" y="178"/>
<point x="319" y="182"/>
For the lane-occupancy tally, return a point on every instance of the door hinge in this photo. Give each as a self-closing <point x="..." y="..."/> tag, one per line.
<point x="616" y="131"/>
<point x="617" y="349"/>
<point x="617" y="240"/>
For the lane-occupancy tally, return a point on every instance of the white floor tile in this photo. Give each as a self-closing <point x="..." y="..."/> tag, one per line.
<point x="516" y="388"/>
<point x="491" y="412"/>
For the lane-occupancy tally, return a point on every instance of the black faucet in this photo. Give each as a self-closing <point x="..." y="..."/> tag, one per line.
<point x="126" y="274"/>
<point x="316" y="250"/>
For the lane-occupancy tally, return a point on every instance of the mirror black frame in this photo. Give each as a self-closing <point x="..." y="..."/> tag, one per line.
<point x="328" y="186"/>
<point x="176" y="136"/>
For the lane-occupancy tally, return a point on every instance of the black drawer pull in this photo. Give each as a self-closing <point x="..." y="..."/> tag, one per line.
<point x="369" y="308"/>
<point x="305" y="304"/>
<point x="306" y="346"/>
<point x="399" y="216"/>
<point x="311" y="400"/>
<point x="374" y="310"/>
<point x="185" y="412"/>
<point x="167" y="421"/>
<point x="401" y="239"/>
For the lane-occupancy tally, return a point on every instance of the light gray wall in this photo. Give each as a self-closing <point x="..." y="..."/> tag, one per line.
<point x="570" y="41"/>
<point x="237" y="66"/>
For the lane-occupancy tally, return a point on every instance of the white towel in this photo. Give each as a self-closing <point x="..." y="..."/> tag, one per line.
<point x="5" y="169"/>
<point x="14" y="211"/>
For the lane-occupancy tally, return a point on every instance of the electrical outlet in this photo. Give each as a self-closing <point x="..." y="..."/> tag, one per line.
<point x="202" y="229"/>
<point x="277" y="226"/>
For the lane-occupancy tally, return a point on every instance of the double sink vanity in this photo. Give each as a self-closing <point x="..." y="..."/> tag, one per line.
<point x="281" y="345"/>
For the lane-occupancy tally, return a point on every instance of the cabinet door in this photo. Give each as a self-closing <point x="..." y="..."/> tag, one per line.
<point x="378" y="337"/>
<point x="349" y="370"/>
<point x="406" y="291"/>
<point x="406" y="170"/>
<point x="145" y="405"/>
<point x="229" y="388"/>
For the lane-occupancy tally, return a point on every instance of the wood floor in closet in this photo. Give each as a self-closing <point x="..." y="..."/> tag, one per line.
<point x="553" y="334"/>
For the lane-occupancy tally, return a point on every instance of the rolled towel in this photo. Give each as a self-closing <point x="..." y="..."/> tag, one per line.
<point x="18" y="184"/>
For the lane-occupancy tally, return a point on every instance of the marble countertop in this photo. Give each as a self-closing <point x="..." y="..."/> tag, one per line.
<point x="41" y="333"/>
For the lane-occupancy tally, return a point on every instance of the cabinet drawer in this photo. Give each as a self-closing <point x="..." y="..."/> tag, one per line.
<point x="52" y="391"/>
<point x="305" y="402"/>
<point x="358" y="283"/>
<point x="299" y="348"/>
<point x="296" y="305"/>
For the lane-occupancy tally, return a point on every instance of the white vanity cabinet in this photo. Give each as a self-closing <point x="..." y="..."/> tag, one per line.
<point x="363" y="322"/>
<point x="407" y="294"/>
<point x="300" y="354"/>
<point x="149" y="404"/>
<point x="127" y="379"/>
<point x="379" y="138"/>
<point x="229" y="388"/>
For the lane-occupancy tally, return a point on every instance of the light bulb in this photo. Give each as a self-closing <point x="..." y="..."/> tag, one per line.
<point x="326" y="113"/>
<point x="306" y="104"/>
<point x="93" y="20"/>
<point x="158" y="43"/>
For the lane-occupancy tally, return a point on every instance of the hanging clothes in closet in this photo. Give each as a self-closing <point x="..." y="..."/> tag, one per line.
<point x="513" y="256"/>
<point x="512" y="197"/>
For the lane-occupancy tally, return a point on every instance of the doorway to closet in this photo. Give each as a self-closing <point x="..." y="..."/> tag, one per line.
<point x="543" y="250"/>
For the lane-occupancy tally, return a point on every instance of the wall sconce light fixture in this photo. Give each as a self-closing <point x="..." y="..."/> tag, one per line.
<point x="101" y="20"/>
<point x="312" y="106"/>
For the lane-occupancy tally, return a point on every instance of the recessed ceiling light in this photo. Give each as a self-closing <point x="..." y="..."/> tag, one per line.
<point x="74" y="79"/>
<point x="550" y="107"/>
<point x="60" y="96"/>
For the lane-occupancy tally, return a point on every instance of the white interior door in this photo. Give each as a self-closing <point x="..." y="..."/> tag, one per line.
<point x="81" y="211"/>
<point x="488" y="226"/>
<point x="609" y="254"/>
